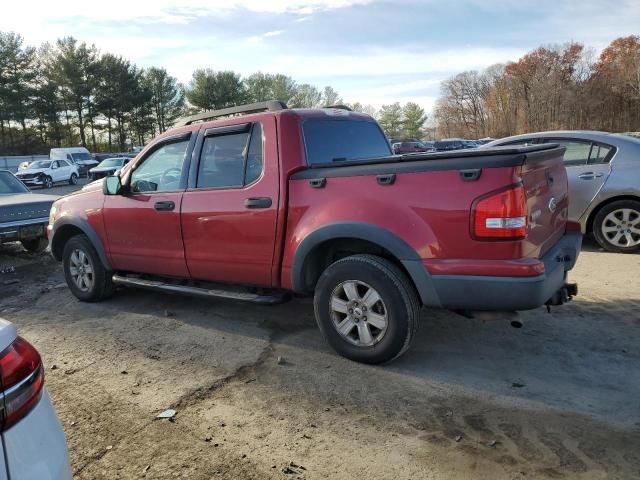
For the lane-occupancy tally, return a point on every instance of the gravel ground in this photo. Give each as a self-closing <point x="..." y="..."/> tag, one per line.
<point x="258" y="394"/>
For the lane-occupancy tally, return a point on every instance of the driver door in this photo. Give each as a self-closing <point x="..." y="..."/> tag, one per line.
<point x="143" y="223"/>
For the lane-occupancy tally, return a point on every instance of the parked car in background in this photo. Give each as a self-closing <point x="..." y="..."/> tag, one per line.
<point x="45" y="173"/>
<point x="449" y="144"/>
<point x="79" y="156"/>
<point x="312" y="201"/>
<point x="23" y="215"/>
<point x="412" y="147"/>
<point x="108" y="167"/>
<point x="33" y="443"/>
<point x="604" y="182"/>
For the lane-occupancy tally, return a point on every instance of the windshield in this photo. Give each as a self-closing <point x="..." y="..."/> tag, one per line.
<point x="10" y="184"/>
<point x="40" y="164"/>
<point x="111" y="162"/>
<point x="332" y="140"/>
<point x="81" y="156"/>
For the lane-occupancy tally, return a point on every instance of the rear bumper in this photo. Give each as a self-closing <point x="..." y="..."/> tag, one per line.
<point x="475" y="292"/>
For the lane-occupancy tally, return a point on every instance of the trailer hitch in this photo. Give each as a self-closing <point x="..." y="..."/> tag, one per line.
<point x="563" y="295"/>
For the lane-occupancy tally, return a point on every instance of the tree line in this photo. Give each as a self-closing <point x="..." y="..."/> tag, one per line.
<point x="549" y="88"/>
<point x="69" y="93"/>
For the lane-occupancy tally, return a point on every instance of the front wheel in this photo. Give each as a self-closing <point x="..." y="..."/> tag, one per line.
<point x="73" y="179"/>
<point x="366" y="308"/>
<point x="617" y="226"/>
<point x="86" y="277"/>
<point x="47" y="182"/>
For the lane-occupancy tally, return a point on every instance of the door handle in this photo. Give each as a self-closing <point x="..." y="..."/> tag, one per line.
<point x="259" y="202"/>
<point x="386" y="179"/>
<point x="590" y="175"/>
<point x="165" y="206"/>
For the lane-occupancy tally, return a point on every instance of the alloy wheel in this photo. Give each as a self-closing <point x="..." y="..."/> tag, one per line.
<point x="359" y="315"/>
<point x="621" y="227"/>
<point x="81" y="270"/>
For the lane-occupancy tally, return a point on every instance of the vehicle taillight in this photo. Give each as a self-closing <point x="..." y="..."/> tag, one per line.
<point x="22" y="380"/>
<point x="501" y="215"/>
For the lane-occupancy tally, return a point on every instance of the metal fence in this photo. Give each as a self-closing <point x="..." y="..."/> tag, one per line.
<point x="11" y="163"/>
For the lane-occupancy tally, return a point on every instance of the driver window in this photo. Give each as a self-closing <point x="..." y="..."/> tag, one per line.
<point x="162" y="170"/>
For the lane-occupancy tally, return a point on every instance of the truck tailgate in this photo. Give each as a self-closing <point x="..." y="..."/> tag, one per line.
<point x="545" y="181"/>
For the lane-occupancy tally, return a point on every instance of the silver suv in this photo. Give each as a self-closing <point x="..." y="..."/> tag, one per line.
<point x="604" y="183"/>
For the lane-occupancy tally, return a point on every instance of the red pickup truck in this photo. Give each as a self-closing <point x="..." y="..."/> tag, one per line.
<point x="265" y="200"/>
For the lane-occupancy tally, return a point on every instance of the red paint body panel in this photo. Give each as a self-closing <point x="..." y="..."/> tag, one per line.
<point x="226" y="242"/>
<point x="142" y="239"/>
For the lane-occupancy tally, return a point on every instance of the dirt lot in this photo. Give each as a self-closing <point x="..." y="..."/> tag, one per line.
<point x="473" y="398"/>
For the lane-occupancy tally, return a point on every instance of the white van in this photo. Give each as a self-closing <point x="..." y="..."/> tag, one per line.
<point x="80" y="156"/>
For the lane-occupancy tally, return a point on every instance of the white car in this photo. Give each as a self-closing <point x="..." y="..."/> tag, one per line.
<point x="44" y="173"/>
<point x="108" y="167"/>
<point x="33" y="441"/>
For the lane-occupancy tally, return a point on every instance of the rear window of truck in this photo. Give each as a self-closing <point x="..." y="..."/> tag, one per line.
<point x="337" y="140"/>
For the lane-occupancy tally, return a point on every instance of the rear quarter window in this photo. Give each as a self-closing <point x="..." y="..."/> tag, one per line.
<point x="335" y="140"/>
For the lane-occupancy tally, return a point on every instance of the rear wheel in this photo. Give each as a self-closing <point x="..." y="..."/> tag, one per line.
<point x="73" y="179"/>
<point x="35" y="245"/>
<point x="617" y="226"/>
<point x="86" y="277"/>
<point x="366" y="308"/>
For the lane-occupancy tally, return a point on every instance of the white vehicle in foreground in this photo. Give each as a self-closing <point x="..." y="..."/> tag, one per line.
<point x="33" y="442"/>
<point x="44" y="173"/>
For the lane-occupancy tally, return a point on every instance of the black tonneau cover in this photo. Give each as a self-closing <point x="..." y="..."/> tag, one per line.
<point x="494" y="157"/>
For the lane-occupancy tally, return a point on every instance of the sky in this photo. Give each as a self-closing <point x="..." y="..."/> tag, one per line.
<point x="372" y="51"/>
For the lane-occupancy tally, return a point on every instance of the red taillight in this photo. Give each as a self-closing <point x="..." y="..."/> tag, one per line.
<point x="22" y="380"/>
<point x="501" y="215"/>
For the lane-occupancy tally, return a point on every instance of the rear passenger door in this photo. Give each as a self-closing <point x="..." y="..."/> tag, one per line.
<point x="57" y="171"/>
<point x="587" y="165"/>
<point x="230" y="208"/>
<point x="65" y="170"/>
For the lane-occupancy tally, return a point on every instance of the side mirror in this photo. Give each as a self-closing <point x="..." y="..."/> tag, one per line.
<point x="112" y="185"/>
<point x="54" y="166"/>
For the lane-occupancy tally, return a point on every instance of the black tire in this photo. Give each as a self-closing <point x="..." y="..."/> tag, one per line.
<point x="48" y="182"/>
<point x="630" y="231"/>
<point x="399" y="297"/>
<point x="35" y="245"/>
<point x="73" y="179"/>
<point x="101" y="286"/>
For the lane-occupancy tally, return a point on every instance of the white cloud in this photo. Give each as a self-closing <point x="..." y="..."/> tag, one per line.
<point x="14" y="16"/>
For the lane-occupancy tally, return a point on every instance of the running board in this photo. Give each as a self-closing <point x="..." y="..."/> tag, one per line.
<point x="272" y="299"/>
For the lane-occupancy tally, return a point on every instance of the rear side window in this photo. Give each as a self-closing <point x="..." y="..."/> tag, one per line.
<point x="576" y="153"/>
<point x="600" y="154"/>
<point x="334" y="140"/>
<point x="231" y="160"/>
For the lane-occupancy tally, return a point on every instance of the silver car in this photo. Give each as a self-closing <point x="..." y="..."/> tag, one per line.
<point x="604" y="183"/>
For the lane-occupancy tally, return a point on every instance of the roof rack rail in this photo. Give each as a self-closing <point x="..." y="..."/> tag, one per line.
<point x="268" y="106"/>
<point x="339" y="107"/>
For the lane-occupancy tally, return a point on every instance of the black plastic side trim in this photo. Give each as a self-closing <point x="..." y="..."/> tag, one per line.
<point x="372" y="233"/>
<point x="83" y="225"/>
<point x="396" y="167"/>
